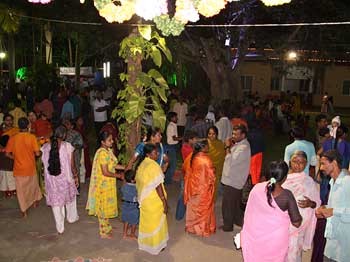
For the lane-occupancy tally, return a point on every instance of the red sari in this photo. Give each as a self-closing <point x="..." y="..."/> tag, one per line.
<point x="199" y="195"/>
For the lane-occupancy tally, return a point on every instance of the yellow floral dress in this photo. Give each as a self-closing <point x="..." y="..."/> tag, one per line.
<point x="102" y="199"/>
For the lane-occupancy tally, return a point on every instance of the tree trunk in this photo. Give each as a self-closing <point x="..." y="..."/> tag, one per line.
<point x="134" y="67"/>
<point x="77" y="64"/>
<point x="12" y="61"/>
<point x="70" y="49"/>
<point x="33" y="43"/>
<point x="41" y="45"/>
<point x="48" y="43"/>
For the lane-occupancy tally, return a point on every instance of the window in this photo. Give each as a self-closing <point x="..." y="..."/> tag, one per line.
<point x="246" y="83"/>
<point x="346" y="87"/>
<point x="275" y="84"/>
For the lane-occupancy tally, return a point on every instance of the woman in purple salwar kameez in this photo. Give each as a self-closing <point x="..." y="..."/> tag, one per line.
<point x="61" y="178"/>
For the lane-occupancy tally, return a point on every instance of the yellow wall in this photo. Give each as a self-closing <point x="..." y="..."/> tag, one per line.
<point x="261" y="73"/>
<point x="333" y="84"/>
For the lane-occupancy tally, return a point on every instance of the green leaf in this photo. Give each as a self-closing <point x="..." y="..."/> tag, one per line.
<point x="156" y="56"/>
<point x="162" y="46"/>
<point x="146" y="32"/>
<point x="156" y="103"/>
<point x="134" y="107"/>
<point x="123" y="77"/>
<point x="158" y="78"/>
<point x="159" y="119"/>
<point x="145" y="79"/>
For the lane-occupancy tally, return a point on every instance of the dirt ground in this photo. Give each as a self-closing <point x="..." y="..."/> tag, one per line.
<point x="35" y="239"/>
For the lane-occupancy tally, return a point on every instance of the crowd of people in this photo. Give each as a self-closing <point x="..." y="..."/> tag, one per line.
<point x="298" y="203"/>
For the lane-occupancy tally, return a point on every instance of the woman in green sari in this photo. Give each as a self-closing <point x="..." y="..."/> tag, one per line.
<point x="216" y="154"/>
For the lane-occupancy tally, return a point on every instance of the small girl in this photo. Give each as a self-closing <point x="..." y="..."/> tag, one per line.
<point x="130" y="209"/>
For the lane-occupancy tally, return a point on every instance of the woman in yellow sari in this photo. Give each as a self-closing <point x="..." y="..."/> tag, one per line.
<point x="216" y="154"/>
<point x="153" y="228"/>
<point x="102" y="199"/>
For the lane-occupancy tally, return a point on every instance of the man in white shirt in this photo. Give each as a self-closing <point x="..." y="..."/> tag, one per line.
<point x="224" y="126"/>
<point x="172" y="144"/>
<point x="234" y="176"/>
<point x="180" y="108"/>
<point x="100" y="107"/>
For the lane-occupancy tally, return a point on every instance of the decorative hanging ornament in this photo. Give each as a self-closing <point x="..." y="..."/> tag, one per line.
<point x="117" y="13"/>
<point x="209" y="8"/>
<point x="151" y="8"/>
<point x="185" y="11"/>
<point x="44" y="2"/>
<point x="275" y="2"/>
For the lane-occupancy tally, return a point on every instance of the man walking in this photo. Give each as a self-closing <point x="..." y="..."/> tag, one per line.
<point x="23" y="148"/>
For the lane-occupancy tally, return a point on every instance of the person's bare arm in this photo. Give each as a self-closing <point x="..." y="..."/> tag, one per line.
<point x="161" y="195"/>
<point x="107" y="173"/>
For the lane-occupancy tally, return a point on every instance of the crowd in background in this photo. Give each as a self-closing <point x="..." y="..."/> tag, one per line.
<point x="215" y="150"/>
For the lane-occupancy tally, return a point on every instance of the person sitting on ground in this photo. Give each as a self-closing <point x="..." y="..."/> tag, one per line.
<point x="130" y="209"/>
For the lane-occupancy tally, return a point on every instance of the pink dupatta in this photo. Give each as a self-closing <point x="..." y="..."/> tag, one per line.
<point x="264" y="237"/>
<point x="300" y="184"/>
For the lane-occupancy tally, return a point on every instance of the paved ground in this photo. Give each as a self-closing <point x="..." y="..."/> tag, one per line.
<point x="34" y="239"/>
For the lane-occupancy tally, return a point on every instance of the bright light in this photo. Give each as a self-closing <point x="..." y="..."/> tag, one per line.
<point x="40" y="1"/>
<point x="275" y="2"/>
<point x="151" y="8"/>
<point x="108" y="69"/>
<point x="104" y="70"/>
<point x="2" y="55"/>
<point x="82" y="1"/>
<point x="292" y="55"/>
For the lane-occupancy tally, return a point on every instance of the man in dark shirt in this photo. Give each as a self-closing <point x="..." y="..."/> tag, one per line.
<point x="201" y="125"/>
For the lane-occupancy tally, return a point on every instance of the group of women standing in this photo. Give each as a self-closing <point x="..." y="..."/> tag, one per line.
<point x="102" y="198"/>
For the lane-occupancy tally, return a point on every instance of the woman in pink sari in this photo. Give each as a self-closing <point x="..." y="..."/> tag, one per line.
<point x="305" y="192"/>
<point x="269" y="212"/>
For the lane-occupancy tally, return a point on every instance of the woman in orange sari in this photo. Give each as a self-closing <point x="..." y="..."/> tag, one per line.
<point x="199" y="191"/>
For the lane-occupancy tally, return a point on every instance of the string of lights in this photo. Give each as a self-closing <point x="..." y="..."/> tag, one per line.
<point x="193" y="25"/>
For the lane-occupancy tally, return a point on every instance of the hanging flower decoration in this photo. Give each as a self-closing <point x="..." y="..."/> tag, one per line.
<point x="185" y="11"/>
<point x="151" y="8"/>
<point x="44" y="2"/>
<point x="157" y="10"/>
<point x="169" y="26"/>
<point x="113" y="13"/>
<point x="209" y="8"/>
<point x="275" y="2"/>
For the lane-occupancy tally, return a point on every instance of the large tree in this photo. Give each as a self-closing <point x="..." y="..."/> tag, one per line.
<point x="207" y="46"/>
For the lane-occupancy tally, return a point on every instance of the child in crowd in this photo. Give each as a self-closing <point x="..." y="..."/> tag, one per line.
<point x="333" y="127"/>
<point x="130" y="209"/>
